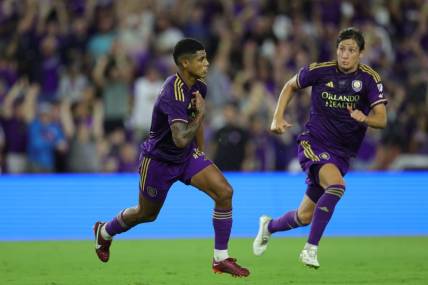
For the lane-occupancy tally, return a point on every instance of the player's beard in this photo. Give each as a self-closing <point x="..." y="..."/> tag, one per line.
<point x="200" y="75"/>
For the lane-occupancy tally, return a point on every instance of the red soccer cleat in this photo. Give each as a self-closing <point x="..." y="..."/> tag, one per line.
<point x="230" y="266"/>
<point x="102" y="246"/>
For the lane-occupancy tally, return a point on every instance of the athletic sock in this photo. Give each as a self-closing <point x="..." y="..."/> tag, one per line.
<point x="323" y="212"/>
<point x="104" y="234"/>
<point x="286" y="222"/>
<point x="220" y="254"/>
<point x="222" y="222"/>
<point x="115" y="226"/>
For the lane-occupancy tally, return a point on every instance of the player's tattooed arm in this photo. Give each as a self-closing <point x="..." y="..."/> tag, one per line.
<point x="200" y="138"/>
<point x="183" y="133"/>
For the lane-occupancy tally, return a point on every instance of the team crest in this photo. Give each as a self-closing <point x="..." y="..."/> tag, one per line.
<point x="152" y="191"/>
<point x="324" y="156"/>
<point x="357" y="85"/>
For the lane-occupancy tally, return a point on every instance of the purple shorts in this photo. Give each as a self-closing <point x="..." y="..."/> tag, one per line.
<point x="312" y="155"/>
<point x="156" y="177"/>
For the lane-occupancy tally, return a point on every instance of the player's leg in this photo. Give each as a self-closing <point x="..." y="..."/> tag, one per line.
<point x="300" y="217"/>
<point x="154" y="187"/>
<point x="211" y="181"/>
<point x="146" y="211"/>
<point x="291" y="219"/>
<point x="330" y="179"/>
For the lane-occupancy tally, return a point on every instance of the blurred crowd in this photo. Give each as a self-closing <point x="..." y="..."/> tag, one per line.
<point x="78" y="78"/>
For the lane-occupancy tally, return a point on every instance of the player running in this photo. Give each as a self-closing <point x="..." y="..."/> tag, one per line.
<point x="174" y="151"/>
<point x="347" y="97"/>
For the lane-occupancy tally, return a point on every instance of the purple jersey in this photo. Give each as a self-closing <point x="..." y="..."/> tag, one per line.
<point x="172" y="105"/>
<point x="332" y="91"/>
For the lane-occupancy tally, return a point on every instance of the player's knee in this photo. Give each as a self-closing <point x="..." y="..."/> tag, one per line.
<point x="147" y="218"/>
<point x="225" y="194"/>
<point x="150" y="218"/>
<point x="305" y="217"/>
<point x="143" y="217"/>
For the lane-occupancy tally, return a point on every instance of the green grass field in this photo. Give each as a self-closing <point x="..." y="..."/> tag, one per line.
<point x="380" y="260"/>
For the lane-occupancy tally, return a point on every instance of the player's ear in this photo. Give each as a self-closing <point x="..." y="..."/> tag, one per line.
<point x="184" y="61"/>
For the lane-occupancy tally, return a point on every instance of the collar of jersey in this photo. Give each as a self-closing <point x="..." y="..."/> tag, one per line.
<point x="184" y="82"/>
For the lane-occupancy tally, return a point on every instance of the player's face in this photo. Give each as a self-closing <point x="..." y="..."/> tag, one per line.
<point x="348" y="55"/>
<point x="198" y="64"/>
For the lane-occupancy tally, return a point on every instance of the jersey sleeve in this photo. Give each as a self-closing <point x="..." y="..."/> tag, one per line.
<point x="375" y="93"/>
<point x="306" y="77"/>
<point x="202" y="86"/>
<point x="173" y="105"/>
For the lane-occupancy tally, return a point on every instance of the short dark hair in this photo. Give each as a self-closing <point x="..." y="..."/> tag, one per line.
<point x="186" y="46"/>
<point x="351" y="33"/>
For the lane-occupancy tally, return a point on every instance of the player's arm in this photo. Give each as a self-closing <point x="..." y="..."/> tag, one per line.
<point x="376" y="118"/>
<point x="279" y="125"/>
<point x="200" y="138"/>
<point x="184" y="133"/>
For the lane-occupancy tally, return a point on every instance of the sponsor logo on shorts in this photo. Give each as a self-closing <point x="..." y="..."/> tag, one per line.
<point x="152" y="191"/>
<point x="324" y="156"/>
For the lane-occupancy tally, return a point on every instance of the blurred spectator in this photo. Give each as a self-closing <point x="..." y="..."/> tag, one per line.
<point x="48" y="70"/>
<point x="366" y="155"/>
<point x="45" y="137"/>
<point x="230" y="142"/>
<point x="8" y="75"/>
<point x="100" y="43"/>
<point x="260" y="156"/>
<point x="112" y="74"/>
<point x="128" y="158"/>
<point x="146" y="90"/>
<point x="99" y="65"/>
<point x="136" y="23"/>
<point x="17" y="112"/>
<point x="83" y="127"/>
<point x="73" y="83"/>
<point x="1" y="148"/>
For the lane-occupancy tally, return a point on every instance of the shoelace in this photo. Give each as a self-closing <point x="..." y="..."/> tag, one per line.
<point x="312" y="252"/>
<point x="265" y="236"/>
<point x="233" y="260"/>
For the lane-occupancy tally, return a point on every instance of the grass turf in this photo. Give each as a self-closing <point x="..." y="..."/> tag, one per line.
<point x="379" y="260"/>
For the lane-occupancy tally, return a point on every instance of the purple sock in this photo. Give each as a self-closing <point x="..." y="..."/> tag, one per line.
<point x="117" y="225"/>
<point x="323" y="211"/>
<point x="222" y="222"/>
<point x="284" y="223"/>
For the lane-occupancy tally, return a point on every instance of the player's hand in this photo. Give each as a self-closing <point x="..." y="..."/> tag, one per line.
<point x="357" y="115"/>
<point x="198" y="103"/>
<point x="279" y="126"/>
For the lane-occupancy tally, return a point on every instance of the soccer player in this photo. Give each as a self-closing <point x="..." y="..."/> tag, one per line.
<point x="347" y="97"/>
<point x="174" y="151"/>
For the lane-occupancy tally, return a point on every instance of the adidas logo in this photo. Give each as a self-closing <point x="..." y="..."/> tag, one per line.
<point x="330" y="84"/>
<point x="324" y="209"/>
